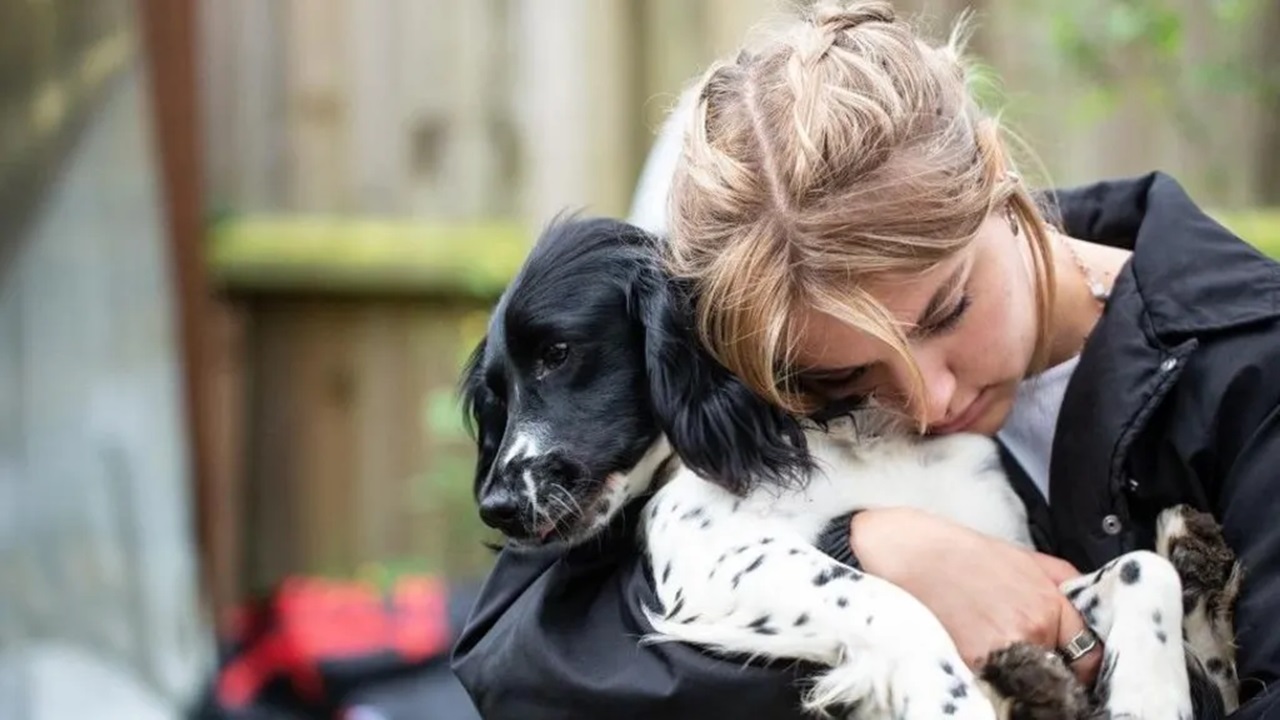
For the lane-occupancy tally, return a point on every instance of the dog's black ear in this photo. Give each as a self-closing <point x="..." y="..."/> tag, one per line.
<point x="719" y="427"/>
<point x="484" y="413"/>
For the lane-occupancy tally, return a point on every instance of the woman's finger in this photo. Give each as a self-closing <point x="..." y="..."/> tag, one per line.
<point x="1070" y="625"/>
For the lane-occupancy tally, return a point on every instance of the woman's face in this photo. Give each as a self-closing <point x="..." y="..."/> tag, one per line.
<point x="971" y="327"/>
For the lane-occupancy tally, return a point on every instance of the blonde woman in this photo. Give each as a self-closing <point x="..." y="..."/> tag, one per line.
<point x="855" y="226"/>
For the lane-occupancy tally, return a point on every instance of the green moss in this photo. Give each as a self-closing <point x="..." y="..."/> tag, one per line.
<point x="362" y="255"/>
<point x="327" y="255"/>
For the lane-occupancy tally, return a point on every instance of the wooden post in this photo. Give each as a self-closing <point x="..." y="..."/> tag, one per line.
<point x="170" y="42"/>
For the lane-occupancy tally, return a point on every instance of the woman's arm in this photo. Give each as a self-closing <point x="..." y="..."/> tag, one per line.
<point x="559" y="637"/>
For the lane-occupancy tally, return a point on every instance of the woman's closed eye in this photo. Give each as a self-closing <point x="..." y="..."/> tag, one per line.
<point x="948" y="320"/>
<point x="835" y="383"/>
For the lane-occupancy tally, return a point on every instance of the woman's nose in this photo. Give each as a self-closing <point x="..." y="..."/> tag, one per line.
<point x="940" y="391"/>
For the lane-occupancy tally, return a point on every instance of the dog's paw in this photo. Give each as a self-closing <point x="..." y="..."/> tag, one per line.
<point x="1028" y="683"/>
<point x="1192" y="540"/>
<point x="1140" y="695"/>
<point x="919" y="686"/>
<point x="1211" y="574"/>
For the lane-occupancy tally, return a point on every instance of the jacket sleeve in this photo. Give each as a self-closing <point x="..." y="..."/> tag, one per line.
<point x="558" y="636"/>
<point x="1249" y="508"/>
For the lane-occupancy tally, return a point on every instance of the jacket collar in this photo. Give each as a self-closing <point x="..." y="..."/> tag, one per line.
<point x="1188" y="277"/>
<point x="1192" y="274"/>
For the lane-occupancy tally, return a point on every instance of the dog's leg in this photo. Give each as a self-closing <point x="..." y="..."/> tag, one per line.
<point x="1134" y="604"/>
<point x="1210" y="574"/>
<point x="783" y="599"/>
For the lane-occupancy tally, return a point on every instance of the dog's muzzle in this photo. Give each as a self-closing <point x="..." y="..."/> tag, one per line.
<point x="527" y="498"/>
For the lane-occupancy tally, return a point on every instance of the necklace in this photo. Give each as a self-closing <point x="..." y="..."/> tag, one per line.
<point x="1096" y="288"/>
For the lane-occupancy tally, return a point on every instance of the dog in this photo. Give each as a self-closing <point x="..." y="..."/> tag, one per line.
<point x="590" y="390"/>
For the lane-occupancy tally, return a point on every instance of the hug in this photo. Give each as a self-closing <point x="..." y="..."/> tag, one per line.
<point x="1048" y="412"/>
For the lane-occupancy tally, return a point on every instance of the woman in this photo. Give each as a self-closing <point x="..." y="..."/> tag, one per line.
<point x="854" y="226"/>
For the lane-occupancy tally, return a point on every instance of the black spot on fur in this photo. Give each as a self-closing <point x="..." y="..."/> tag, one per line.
<point x="755" y="564"/>
<point x="766" y="541"/>
<point x="842" y="601"/>
<point x="692" y="514"/>
<point x="949" y="709"/>
<point x="736" y="505"/>
<point x="1162" y="637"/>
<point x="1216" y="666"/>
<point x="793" y="551"/>
<point x="706" y="523"/>
<point x="1206" y="699"/>
<point x="666" y="572"/>
<point x="804" y="618"/>
<point x="1075" y="593"/>
<point x="833" y="572"/>
<point x="947" y="668"/>
<point x="690" y="620"/>
<point x="675" y="609"/>
<point x="1158" y="617"/>
<point x="959" y="690"/>
<point x="761" y="626"/>
<point x="1130" y="572"/>
<point x="1090" y="611"/>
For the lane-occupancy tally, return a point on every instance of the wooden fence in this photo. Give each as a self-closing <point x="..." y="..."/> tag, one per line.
<point x="479" y="120"/>
<point x="56" y="60"/>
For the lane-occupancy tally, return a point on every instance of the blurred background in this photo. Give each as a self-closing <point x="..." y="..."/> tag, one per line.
<point x="246" y="244"/>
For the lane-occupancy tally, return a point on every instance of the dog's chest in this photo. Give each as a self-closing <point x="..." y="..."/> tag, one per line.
<point x="960" y="478"/>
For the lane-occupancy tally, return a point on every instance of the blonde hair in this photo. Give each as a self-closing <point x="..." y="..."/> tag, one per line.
<point x="840" y="148"/>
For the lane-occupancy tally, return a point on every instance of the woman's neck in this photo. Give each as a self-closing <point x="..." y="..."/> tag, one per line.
<point x="1078" y="266"/>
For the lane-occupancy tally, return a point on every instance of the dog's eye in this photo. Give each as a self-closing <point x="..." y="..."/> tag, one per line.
<point x="553" y="356"/>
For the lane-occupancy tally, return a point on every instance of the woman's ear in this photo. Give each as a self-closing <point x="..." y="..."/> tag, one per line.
<point x="718" y="427"/>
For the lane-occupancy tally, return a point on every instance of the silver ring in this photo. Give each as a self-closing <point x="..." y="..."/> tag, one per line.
<point x="1082" y="644"/>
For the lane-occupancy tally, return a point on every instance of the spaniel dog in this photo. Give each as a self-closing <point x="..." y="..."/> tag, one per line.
<point x="590" y="390"/>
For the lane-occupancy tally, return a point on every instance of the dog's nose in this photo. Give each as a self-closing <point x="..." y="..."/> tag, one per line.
<point x="501" y="510"/>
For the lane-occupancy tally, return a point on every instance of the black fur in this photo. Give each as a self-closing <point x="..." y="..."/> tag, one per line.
<point x="636" y="380"/>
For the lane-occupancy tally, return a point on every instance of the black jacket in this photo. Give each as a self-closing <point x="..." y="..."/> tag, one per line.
<point x="1176" y="399"/>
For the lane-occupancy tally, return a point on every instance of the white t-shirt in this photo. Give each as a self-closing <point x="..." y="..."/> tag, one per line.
<point x="1029" y="430"/>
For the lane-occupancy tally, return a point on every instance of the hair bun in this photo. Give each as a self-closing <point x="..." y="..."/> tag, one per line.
<point x="837" y="17"/>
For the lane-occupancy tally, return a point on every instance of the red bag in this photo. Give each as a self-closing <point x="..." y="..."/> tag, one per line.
<point x="313" y="647"/>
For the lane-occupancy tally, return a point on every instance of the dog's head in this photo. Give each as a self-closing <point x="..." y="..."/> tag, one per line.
<point x="589" y="376"/>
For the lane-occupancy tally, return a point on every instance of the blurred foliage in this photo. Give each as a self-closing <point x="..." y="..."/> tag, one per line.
<point x="1101" y="38"/>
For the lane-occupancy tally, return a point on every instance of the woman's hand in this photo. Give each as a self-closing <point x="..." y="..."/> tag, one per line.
<point x="988" y="594"/>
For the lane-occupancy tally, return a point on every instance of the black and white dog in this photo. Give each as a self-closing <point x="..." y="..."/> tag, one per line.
<point x="591" y="390"/>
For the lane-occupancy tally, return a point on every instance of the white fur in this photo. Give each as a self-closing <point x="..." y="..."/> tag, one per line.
<point x="526" y="442"/>
<point x="742" y="576"/>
